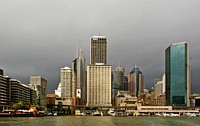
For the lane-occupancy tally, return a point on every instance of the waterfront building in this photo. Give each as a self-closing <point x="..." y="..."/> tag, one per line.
<point x="124" y="98"/>
<point x="21" y="92"/>
<point x="79" y="78"/>
<point x="136" y="83"/>
<point x="98" y="50"/>
<point x="99" y="85"/>
<point x="195" y="100"/>
<point x="5" y="91"/>
<point x="66" y="85"/>
<point x="118" y="80"/>
<point x="177" y="71"/>
<point x="39" y="84"/>
<point x="51" y="100"/>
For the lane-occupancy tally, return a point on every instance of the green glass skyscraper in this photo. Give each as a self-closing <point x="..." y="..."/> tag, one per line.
<point x="177" y="71"/>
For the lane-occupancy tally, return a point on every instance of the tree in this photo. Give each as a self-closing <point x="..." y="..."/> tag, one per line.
<point x="21" y="105"/>
<point x="15" y="106"/>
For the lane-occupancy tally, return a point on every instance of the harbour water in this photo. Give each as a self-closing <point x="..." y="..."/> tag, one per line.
<point x="99" y="121"/>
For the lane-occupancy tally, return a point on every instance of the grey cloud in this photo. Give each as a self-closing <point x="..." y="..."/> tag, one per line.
<point x="38" y="37"/>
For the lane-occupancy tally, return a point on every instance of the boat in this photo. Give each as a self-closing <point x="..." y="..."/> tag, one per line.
<point x="97" y="113"/>
<point x="191" y="114"/>
<point x="7" y="113"/>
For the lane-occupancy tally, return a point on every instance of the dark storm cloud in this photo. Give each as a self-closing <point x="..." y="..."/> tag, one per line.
<point x="38" y="37"/>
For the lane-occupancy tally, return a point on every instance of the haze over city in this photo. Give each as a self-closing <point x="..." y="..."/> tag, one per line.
<point x="39" y="37"/>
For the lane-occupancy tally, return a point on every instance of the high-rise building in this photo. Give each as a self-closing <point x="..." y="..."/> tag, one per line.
<point x="99" y="85"/>
<point x="118" y="80"/>
<point x="136" y="83"/>
<point x="66" y="85"/>
<point x="78" y="68"/>
<point x="98" y="50"/>
<point x="159" y="86"/>
<point x="177" y="71"/>
<point x="39" y="84"/>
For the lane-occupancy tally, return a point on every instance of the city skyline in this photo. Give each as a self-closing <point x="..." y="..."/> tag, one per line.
<point x="41" y="41"/>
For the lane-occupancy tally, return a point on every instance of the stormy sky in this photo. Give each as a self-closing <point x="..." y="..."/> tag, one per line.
<point x="38" y="37"/>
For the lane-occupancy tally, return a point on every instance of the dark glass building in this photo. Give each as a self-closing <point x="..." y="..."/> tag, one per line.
<point x="136" y="83"/>
<point x="118" y="80"/>
<point x="177" y="73"/>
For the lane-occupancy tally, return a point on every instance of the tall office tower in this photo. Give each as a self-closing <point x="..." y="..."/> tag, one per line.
<point x="159" y="86"/>
<point x="177" y="71"/>
<point x="136" y="83"/>
<point x="98" y="50"/>
<point x="78" y="67"/>
<point x="39" y="84"/>
<point x="66" y="85"/>
<point x="118" y="80"/>
<point x="99" y="85"/>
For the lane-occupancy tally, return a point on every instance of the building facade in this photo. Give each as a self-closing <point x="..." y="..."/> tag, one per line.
<point x="39" y="84"/>
<point x="177" y="71"/>
<point x="98" y="50"/>
<point x="5" y="91"/>
<point x="118" y="80"/>
<point x="21" y="92"/>
<point x="66" y="85"/>
<point x="159" y="86"/>
<point x="99" y="85"/>
<point x="136" y="83"/>
<point x="125" y="99"/>
<point x="78" y="68"/>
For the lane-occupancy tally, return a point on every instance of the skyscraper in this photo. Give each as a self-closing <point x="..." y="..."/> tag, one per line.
<point x="66" y="85"/>
<point x="98" y="50"/>
<point x="98" y="74"/>
<point x="78" y="67"/>
<point x="136" y="83"/>
<point x="99" y="85"/>
<point x="118" y="80"/>
<point x="177" y="71"/>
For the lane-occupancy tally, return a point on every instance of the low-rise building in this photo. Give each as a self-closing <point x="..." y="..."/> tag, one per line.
<point x="21" y="92"/>
<point x="4" y="91"/>
<point x="125" y="99"/>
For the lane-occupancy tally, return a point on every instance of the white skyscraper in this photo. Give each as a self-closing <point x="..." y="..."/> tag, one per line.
<point x="66" y="85"/>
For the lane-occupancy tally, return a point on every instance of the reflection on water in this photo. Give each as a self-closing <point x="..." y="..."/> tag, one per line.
<point x="99" y="121"/>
